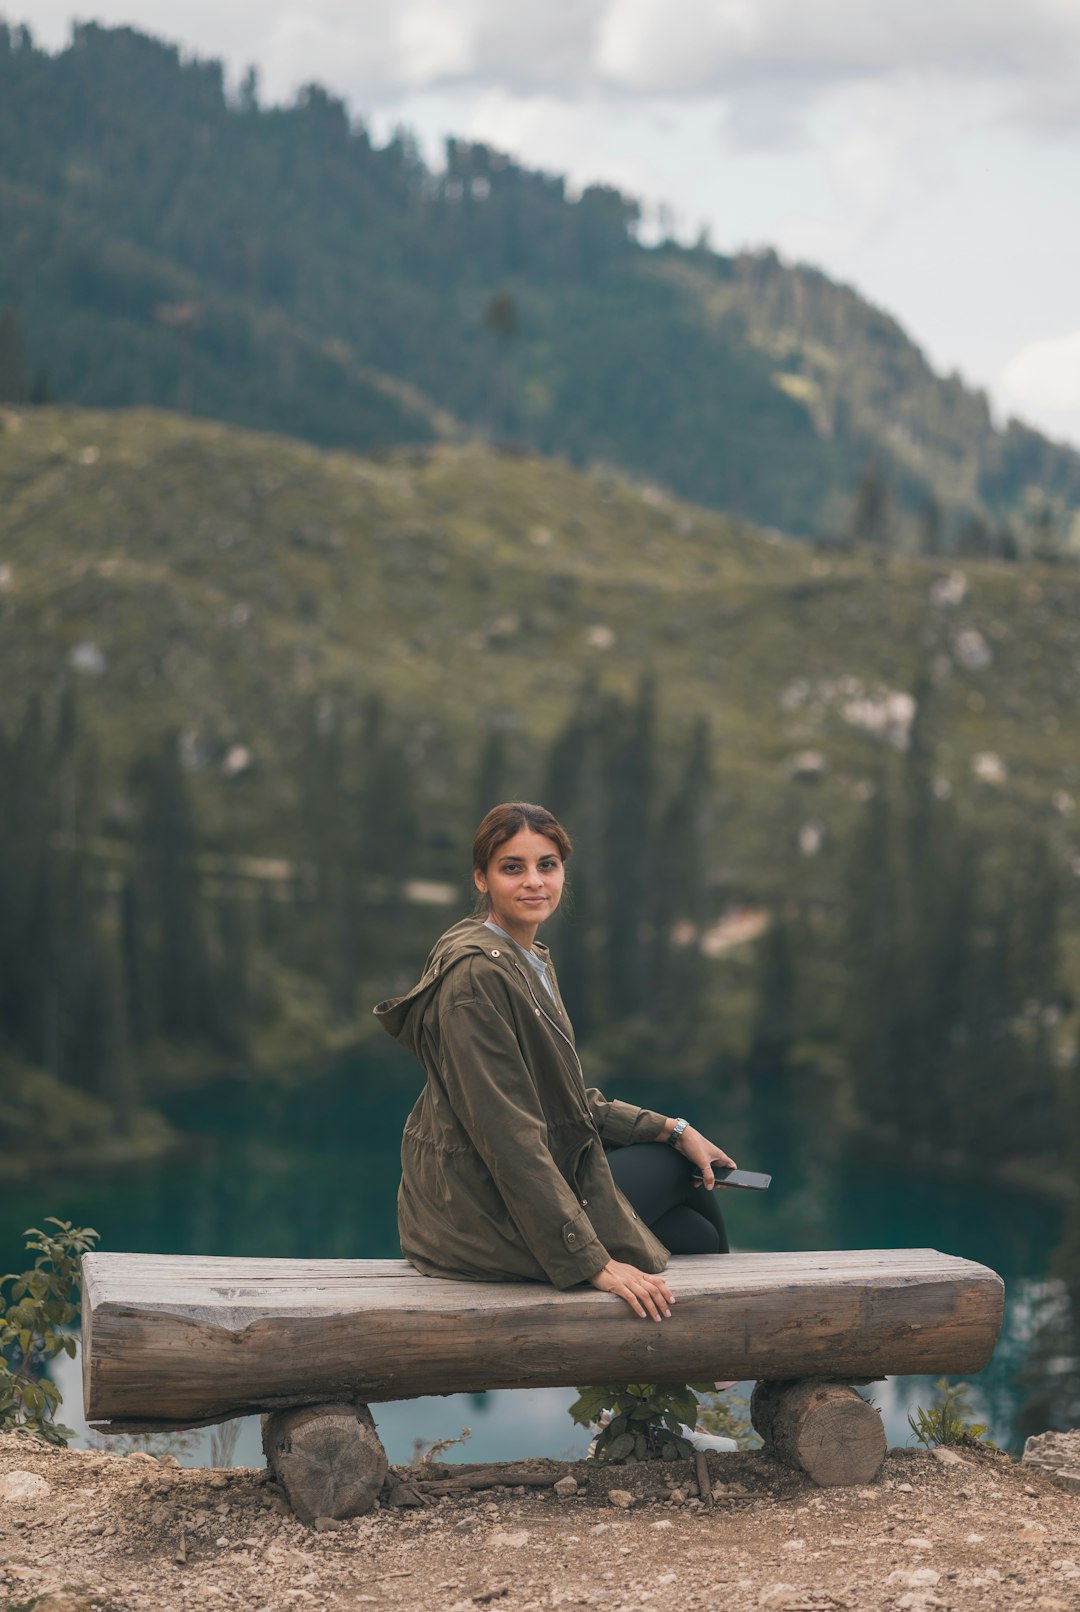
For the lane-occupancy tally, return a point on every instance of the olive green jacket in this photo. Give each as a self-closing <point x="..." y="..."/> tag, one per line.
<point x="504" y="1174"/>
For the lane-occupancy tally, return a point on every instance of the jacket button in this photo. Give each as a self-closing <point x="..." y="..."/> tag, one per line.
<point x="536" y="1011"/>
<point x="496" y="954"/>
<point x="571" y="1237"/>
<point x="584" y="1203"/>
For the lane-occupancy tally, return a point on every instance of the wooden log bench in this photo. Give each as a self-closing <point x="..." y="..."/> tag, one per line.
<point x="180" y="1342"/>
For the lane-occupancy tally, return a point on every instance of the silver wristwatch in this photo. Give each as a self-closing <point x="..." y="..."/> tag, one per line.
<point x="680" y="1126"/>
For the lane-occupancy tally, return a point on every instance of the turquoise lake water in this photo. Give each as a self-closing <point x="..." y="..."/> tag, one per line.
<point x="311" y="1171"/>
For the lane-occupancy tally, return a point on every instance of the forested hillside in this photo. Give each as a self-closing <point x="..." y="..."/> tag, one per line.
<point x="253" y="698"/>
<point x="274" y="267"/>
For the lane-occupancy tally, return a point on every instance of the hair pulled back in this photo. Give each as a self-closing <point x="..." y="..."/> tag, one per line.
<point x="501" y="824"/>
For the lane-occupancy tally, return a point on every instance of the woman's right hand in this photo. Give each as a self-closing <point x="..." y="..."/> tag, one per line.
<point x="646" y="1295"/>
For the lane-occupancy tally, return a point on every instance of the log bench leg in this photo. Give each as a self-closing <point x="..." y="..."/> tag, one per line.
<point x="328" y="1458"/>
<point x="824" y="1428"/>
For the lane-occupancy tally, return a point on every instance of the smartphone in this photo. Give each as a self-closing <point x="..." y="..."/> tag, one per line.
<point x="727" y="1177"/>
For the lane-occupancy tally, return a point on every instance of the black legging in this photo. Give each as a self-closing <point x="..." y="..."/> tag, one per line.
<point x="659" y="1184"/>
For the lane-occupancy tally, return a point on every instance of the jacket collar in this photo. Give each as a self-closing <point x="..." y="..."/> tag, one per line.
<point x="469" y="938"/>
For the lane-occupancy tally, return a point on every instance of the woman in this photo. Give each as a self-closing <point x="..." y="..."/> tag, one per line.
<point x="506" y="1168"/>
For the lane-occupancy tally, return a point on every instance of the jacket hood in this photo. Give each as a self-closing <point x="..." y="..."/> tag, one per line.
<point x="401" y="1016"/>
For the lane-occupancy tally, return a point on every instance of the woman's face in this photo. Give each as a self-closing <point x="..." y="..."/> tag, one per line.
<point x="524" y="881"/>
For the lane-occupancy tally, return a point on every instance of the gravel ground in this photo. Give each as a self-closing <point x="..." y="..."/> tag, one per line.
<point x="82" y="1531"/>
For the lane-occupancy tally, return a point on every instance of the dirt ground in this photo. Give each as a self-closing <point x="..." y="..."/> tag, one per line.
<point x="112" y="1532"/>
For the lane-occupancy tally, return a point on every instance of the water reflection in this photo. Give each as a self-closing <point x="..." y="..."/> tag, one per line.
<point x="1049" y="1380"/>
<point x="311" y="1170"/>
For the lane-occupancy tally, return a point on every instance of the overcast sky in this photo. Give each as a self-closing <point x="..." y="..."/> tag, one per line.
<point x="927" y="151"/>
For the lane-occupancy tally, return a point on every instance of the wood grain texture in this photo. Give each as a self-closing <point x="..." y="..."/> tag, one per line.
<point x="824" y="1428"/>
<point x="328" y="1458"/>
<point x="172" y="1341"/>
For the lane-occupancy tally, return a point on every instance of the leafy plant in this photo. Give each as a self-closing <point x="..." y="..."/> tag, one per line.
<point x="949" y="1418"/>
<point x="34" y="1308"/>
<point x="646" y="1421"/>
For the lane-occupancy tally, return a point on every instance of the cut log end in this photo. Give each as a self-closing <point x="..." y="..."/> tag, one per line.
<point x="328" y="1458"/>
<point x="824" y="1428"/>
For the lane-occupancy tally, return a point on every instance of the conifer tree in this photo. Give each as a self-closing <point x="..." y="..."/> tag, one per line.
<point x="572" y="790"/>
<point x="870" y="518"/>
<point x="166" y="870"/>
<point x="14" y="376"/>
<point x="631" y="739"/>
<point x="679" y="885"/>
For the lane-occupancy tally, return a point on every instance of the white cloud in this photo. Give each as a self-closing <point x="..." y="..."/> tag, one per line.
<point x="789" y="51"/>
<point x="715" y="46"/>
<point x="1046" y="374"/>
<point x="433" y="43"/>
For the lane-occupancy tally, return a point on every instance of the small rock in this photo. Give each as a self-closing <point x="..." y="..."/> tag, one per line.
<point x="919" y="1543"/>
<point x="326" y="1525"/>
<point x="19" y="1485"/>
<point x="466" y="1526"/>
<point x="600" y="636"/>
<point x="142" y="1455"/>
<point x="776" y="1597"/>
<point x="947" y="1457"/>
<point x="904" y="1488"/>
<point x="989" y="768"/>
<point x="621" y="1498"/>
<point x="971" y="650"/>
<point x="917" y="1578"/>
<point x="677" y="1497"/>
<point x="807" y="765"/>
<point x="509" y="1541"/>
<point x="566" y="1487"/>
<point x="88" y="659"/>
<point x="663" y="1523"/>
<point x="949" y="590"/>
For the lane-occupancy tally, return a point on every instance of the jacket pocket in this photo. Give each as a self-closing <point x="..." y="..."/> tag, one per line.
<point x="578" y="1233"/>
<point x="571" y="1158"/>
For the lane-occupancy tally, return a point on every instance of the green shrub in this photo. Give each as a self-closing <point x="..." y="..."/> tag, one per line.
<point x="34" y="1308"/>
<point x="949" y="1418"/>
<point x="646" y="1421"/>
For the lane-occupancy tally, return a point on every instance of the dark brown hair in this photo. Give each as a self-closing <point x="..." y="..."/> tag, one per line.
<point x="502" y="823"/>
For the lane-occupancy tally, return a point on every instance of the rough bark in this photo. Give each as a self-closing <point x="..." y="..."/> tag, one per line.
<point x="824" y="1428"/>
<point x="328" y="1459"/>
<point x="173" y="1341"/>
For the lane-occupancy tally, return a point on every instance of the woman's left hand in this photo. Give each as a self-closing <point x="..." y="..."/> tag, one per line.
<point x="703" y="1154"/>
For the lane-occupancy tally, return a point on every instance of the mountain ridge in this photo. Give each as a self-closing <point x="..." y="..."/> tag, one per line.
<point x="311" y="257"/>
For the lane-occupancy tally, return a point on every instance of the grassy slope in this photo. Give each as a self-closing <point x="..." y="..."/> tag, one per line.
<point x="226" y="574"/>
